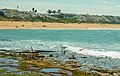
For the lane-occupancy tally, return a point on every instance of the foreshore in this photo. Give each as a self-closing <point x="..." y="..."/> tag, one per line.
<point x="47" y="25"/>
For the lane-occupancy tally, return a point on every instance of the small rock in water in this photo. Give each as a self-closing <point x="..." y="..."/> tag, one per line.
<point x="84" y="57"/>
<point x="72" y="58"/>
<point x="115" y="74"/>
<point x="69" y="73"/>
<point x="50" y="55"/>
<point x="56" y="75"/>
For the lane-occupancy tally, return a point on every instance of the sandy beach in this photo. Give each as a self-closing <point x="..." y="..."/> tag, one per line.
<point x="46" y="25"/>
<point x="28" y="51"/>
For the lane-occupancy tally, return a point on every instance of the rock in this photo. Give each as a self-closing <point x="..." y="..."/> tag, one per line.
<point x="84" y="57"/>
<point x="115" y="74"/>
<point x="50" y="55"/>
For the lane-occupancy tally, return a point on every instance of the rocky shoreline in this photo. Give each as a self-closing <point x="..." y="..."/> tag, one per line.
<point x="35" y="62"/>
<point x="71" y="66"/>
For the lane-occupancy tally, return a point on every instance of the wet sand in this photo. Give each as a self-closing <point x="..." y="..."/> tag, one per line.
<point x="46" y="25"/>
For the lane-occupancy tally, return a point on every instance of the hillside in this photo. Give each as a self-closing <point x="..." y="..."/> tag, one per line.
<point x="15" y="15"/>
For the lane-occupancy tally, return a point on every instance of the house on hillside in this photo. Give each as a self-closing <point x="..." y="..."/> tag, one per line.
<point x="66" y="15"/>
<point x="6" y="13"/>
<point x="1" y="13"/>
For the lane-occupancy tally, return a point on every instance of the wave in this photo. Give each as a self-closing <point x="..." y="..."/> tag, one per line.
<point x="21" y="45"/>
<point x="9" y="48"/>
<point x="112" y="54"/>
<point x="79" y="50"/>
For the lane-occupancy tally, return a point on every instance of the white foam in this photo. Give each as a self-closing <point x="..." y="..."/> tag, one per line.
<point x="38" y="44"/>
<point x="74" y="49"/>
<point x="112" y="54"/>
<point x="8" y="48"/>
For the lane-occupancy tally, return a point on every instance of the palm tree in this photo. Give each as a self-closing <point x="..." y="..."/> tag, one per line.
<point x="59" y="11"/>
<point x="33" y="9"/>
<point x="54" y="12"/>
<point x="49" y="11"/>
<point x="17" y="7"/>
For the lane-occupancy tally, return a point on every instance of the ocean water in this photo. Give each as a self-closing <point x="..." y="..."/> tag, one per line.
<point x="100" y="48"/>
<point x="94" y="42"/>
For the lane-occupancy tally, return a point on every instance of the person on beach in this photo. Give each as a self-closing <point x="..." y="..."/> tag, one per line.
<point x="44" y="26"/>
<point x="16" y="26"/>
<point x="23" y="25"/>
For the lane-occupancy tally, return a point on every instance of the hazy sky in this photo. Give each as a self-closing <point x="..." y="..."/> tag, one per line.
<point x="106" y="7"/>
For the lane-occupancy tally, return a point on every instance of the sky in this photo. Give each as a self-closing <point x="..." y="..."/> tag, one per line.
<point x="95" y="7"/>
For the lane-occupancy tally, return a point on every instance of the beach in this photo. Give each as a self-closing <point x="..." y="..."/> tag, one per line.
<point x="47" y="25"/>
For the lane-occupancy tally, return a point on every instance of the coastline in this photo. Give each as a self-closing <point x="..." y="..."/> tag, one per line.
<point x="57" y="26"/>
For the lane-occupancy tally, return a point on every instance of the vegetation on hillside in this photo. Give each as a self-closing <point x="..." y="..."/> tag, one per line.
<point x="55" y="16"/>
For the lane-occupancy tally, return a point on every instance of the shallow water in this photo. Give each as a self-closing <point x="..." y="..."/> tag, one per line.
<point x="56" y="70"/>
<point x="48" y="70"/>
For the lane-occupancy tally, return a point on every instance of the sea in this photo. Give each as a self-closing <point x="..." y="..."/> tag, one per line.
<point x="100" y="47"/>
